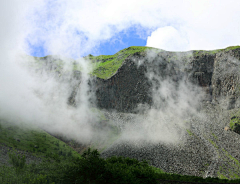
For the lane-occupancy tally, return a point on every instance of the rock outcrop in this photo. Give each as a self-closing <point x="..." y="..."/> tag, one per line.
<point x="217" y="74"/>
<point x="209" y="149"/>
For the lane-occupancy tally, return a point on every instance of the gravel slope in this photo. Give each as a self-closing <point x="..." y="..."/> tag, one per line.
<point x="209" y="151"/>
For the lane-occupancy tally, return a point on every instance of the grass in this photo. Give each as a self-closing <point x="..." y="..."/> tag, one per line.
<point x="221" y="176"/>
<point x="235" y="124"/>
<point x="215" y="136"/>
<point x="105" y="66"/>
<point x="189" y="132"/>
<point x="49" y="172"/>
<point x="231" y="157"/>
<point x="34" y="140"/>
<point x="200" y="52"/>
<point x="213" y="143"/>
<point x="232" y="163"/>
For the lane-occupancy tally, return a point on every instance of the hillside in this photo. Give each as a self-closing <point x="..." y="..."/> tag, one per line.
<point x="179" y="110"/>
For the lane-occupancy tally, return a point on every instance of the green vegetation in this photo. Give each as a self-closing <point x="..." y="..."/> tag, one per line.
<point x="17" y="161"/>
<point x="213" y="143"/>
<point x="221" y="176"/>
<point x="33" y="140"/>
<point x="232" y="158"/>
<point x="58" y="167"/>
<point x="235" y="124"/>
<point x="105" y="67"/>
<point x="189" y="132"/>
<point x="200" y="52"/>
<point x="91" y="168"/>
<point x="215" y="136"/>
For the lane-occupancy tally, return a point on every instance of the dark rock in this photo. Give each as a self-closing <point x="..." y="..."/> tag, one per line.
<point x="217" y="74"/>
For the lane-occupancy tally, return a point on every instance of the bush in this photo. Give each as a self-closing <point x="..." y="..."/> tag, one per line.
<point x="92" y="168"/>
<point x="17" y="161"/>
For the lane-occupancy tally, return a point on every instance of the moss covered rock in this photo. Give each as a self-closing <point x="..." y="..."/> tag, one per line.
<point x="235" y="124"/>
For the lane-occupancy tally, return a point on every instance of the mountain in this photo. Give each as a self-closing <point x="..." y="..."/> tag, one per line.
<point x="179" y="110"/>
<point x="209" y="150"/>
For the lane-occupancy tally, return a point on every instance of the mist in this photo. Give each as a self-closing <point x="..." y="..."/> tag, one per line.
<point x="39" y="98"/>
<point x="175" y="101"/>
<point x="33" y="94"/>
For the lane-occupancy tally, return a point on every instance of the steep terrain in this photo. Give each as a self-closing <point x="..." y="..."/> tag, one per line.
<point x="198" y="90"/>
<point x="217" y="72"/>
<point x="207" y="149"/>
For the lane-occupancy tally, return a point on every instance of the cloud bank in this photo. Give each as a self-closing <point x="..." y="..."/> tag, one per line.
<point x="75" y="28"/>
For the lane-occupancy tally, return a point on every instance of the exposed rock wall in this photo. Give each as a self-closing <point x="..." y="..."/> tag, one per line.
<point x="225" y="80"/>
<point x="124" y="90"/>
<point x="217" y="74"/>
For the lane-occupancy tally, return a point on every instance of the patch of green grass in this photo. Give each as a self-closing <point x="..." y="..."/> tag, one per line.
<point x="215" y="136"/>
<point x="231" y="157"/>
<point x="213" y="143"/>
<point x="221" y="176"/>
<point x="105" y="66"/>
<point x="201" y="52"/>
<point x="34" y="140"/>
<point x="189" y="132"/>
<point x="235" y="124"/>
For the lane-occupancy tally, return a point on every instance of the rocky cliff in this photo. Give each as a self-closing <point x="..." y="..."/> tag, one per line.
<point x="217" y="72"/>
<point x="127" y="83"/>
<point x="207" y="149"/>
<point x="130" y="84"/>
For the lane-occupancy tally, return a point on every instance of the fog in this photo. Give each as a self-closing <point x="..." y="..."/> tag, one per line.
<point x="34" y="95"/>
<point x="175" y="101"/>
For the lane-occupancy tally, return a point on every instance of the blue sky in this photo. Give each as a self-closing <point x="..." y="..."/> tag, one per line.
<point x="76" y="28"/>
<point x="120" y="41"/>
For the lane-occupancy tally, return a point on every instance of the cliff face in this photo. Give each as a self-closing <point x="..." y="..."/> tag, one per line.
<point x="142" y="71"/>
<point x="217" y="74"/>
<point x="208" y="149"/>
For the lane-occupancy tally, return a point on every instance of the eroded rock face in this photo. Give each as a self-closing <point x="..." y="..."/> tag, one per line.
<point x="133" y="84"/>
<point x="225" y="80"/>
<point x="217" y="74"/>
<point x="124" y="90"/>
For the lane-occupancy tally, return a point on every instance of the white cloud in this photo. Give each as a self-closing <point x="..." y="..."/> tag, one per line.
<point x="76" y="27"/>
<point x="207" y="25"/>
<point x="168" y="38"/>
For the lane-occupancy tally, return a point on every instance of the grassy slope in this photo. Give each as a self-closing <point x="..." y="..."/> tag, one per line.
<point x="105" y="66"/>
<point x="34" y="140"/>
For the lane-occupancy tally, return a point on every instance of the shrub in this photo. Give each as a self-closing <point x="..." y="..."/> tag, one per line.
<point x="92" y="168"/>
<point x="17" y="161"/>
